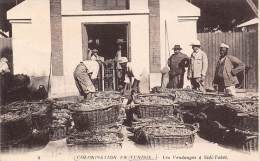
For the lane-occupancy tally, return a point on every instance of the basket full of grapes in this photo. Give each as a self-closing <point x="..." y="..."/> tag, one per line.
<point x="154" y="105"/>
<point x="173" y="135"/>
<point x="91" y="114"/>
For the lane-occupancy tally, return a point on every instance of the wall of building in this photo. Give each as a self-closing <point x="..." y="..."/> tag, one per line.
<point x="75" y="7"/>
<point x="72" y="43"/>
<point x="31" y="39"/>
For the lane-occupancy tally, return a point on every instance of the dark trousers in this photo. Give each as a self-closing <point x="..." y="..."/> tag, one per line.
<point x="221" y="84"/>
<point x="197" y="84"/>
<point x="176" y="81"/>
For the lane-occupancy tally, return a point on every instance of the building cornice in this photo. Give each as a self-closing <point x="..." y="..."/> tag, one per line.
<point x="105" y="13"/>
<point x="187" y="18"/>
<point x="29" y="21"/>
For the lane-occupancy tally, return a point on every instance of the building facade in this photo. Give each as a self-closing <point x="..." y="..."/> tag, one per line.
<point x="51" y="37"/>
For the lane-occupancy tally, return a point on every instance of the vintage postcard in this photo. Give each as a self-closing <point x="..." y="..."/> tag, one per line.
<point x="129" y="80"/>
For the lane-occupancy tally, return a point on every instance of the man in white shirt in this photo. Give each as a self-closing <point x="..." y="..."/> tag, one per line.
<point x="4" y="66"/>
<point x="84" y="73"/>
<point x="4" y="70"/>
<point x="132" y="75"/>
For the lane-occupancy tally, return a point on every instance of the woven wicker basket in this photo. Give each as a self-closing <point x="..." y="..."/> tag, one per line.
<point x="17" y="145"/>
<point x="40" y="138"/>
<point x="78" y="138"/>
<point x="90" y="119"/>
<point x="244" y="140"/>
<point x="145" y="110"/>
<point x="172" y="141"/>
<point x="41" y="119"/>
<point x="16" y="130"/>
<point x="58" y="132"/>
<point x="236" y="118"/>
<point x="245" y="122"/>
<point x="250" y="144"/>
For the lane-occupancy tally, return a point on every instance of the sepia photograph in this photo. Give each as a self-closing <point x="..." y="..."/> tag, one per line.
<point x="129" y="80"/>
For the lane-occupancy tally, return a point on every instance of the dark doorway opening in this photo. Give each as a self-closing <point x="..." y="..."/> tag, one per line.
<point x="105" y="37"/>
<point x="111" y="40"/>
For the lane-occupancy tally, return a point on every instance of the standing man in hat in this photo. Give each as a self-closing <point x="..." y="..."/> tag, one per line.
<point x="84" y="74"/>
<point x="227" y="68"/>
<point x="177" y="63"/>
<point x="198" y="67"/>
<point x="131" y="75"/>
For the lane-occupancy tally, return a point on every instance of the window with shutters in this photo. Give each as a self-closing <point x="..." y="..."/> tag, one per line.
<point x="89" y="5"/>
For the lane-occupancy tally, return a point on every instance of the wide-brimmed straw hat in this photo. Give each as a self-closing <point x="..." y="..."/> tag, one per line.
<point x="122" y="60"/>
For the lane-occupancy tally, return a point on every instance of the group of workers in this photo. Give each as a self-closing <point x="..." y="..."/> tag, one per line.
<point x="86" y="73"/>
<point x="225" y="78"/>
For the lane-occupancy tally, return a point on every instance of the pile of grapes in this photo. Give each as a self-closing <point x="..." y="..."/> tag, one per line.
<point x="247" y="107"/>
<point x="108" y="94"/>
<point x="164" y="130"/>
<point x="61" y="117"/>
<point x="33" y="107"/>
<point x="181" y="96"/>
<point x="10" y="116"/>
<point x="94" y="105"/>
<point x="154" y="100"/>
<point x="94" y="137"/>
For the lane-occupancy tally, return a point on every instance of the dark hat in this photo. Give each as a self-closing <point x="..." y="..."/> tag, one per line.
<point x="120" y="41"/>
<point x="177" y="47"/>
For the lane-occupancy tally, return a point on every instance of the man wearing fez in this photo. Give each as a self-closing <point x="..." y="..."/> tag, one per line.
<point x="227" y="68"/>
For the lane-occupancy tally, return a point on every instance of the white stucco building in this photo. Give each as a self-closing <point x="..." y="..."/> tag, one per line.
<point x="51" y="36"/>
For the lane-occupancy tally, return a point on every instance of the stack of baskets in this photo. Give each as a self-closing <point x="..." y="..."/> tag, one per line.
<point x="167" y="132"/>
<point x="61" y="120"/>
<point x="90" y="116"/>
<point x="244" y="125"/>
<point x="16" y="128"/>
<point x="152" y="105"/>
<point x="158" y="124"/>
<point x="234" y="123"/>
<point x="25" y="123"/>
<point x="107" y="136"/>
<point x="41" y="119"/>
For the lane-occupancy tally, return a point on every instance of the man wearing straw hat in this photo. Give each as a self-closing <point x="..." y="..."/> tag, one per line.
<point x="198" y="67"/>
<point x="227" y="68"/>
<point x="177" y="63"/>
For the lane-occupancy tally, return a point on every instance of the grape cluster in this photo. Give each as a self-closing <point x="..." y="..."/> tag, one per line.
<point x="164" y="130"/>
<point x="94" y="105"/>
<point x="154" y="100"/>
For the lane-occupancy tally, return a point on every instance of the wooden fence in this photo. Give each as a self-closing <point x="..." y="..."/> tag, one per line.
<point x="243" y="45"/>
<point x="6" y="50"/>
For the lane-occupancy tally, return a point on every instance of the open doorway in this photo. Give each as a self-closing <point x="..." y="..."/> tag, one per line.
<point x="105" y="38"/>
<point x="109" y="39"/>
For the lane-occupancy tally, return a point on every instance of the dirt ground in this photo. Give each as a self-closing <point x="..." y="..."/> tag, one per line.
<point x="129" y="151"/>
